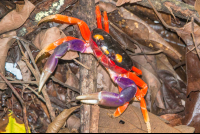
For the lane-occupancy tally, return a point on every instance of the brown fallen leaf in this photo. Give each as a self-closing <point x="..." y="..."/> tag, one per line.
<point x="46" y="37"/>
<point x="121" y="2"/>
<point x="5" y="44"/>
<point x="131" y="121"/>
<point x="14" y="19"/>
<point x="26" y="73"/>
<point x="60" y="120"/>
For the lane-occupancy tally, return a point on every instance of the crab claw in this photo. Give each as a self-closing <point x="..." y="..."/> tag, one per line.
<point x="108" y="98"/>
<point x="48" y="69"/>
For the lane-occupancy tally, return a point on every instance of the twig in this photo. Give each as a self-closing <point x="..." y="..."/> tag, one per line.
<point x="81" y="64"/>
<point x="37" y="72"/>
<point x="37" y="76"/>
<point x="147" y="53"/>
<point x="39" y="96"/>
<point x="22" y="82"/>
<point x="65" y="85"/>
<point x="24" y="58"/>
<point x="20" y="99"/>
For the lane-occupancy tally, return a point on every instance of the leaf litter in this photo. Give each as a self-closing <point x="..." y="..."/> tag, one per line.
<point x="169" y="99"/>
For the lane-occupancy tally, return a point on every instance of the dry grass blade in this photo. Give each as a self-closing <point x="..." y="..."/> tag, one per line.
<point x="59" y="121"/>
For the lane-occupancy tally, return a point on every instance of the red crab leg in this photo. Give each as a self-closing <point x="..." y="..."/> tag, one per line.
<point x="106" y="24"/>
<point x="85" y="31"/>
<point x="50" y="65"/>
<point x="53" y="46"/>
<point x="98" y="17"/>
<point x="137" y="71"/>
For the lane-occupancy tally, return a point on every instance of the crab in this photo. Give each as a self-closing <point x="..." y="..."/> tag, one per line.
<point x="111" y="55"/>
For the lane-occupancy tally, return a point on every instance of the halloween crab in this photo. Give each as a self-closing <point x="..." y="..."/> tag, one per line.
<point x="110" y="54"/>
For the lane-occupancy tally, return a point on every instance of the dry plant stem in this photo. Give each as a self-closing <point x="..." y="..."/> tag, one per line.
<point x="24" y="58"/>
<point x="39" y="96"/>
<point x="37" y="76"/>
<point x="22" y="82"/>
<point x="20" y="99"/>
<point x="37" y="72"/>
<point x="194" y="40"/>
<point x="48" y="103"/>
<point x="65" y="85"/>
<point x="81" y="64"/>
<point x="88" y="82"/>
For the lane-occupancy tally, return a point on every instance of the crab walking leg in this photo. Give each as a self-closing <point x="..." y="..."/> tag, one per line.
<point x="140" y="96"/>
<point x="50" y="65"/>
<point x="84" y="29"/>
<point x="112" y="99"/>
<point x="98" y="17"/>
<point x="106" y="24"/>
<point x="53" y="46"/>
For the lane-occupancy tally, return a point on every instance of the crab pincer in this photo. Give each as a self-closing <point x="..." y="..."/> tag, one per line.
<point x="50" y="65"/>
<point x="111" y="99"/>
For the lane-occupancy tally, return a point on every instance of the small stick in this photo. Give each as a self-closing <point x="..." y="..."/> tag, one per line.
<point x="81" y="64"/>
<point x="20" y="99"/>
<point x="65" y="85"/>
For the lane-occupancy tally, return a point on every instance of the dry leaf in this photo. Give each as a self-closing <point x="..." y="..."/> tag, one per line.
<point x="14" y="19"/>
<point x="50" y="35"/>
<point x="131" y="121"/>
<point x="26" y="73"/>
<point x="5" y="44"/>
<point x="60" y="120"/>
<point x="73" y="123"/>
<point x="121" y="2"/>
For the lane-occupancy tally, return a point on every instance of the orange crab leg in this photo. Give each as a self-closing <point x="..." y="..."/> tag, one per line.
<point x="98" y="17"/>
<point x="85" y="31"/>
<point x="140" y="96"/>
<point x="106" y="24"/>
<point x="137" y="71"/>
<point x="53" y="46"/>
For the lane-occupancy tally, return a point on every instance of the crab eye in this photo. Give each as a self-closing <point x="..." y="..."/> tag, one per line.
<point x="98" y="36"/>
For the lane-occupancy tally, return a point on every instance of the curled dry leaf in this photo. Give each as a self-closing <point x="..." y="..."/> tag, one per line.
<point x="26" y="73"/>
<point x="5" y="44"/>
<point x="73" y="123"/>
<point x="185" y="34"/>
<point x="14" y="19"/>
<point x="46" y="37"/>
<point x="132" y="121"/>
<point x="121" y="2"/>
<point x="60" y="120"/>
<point x="173" y="92"/>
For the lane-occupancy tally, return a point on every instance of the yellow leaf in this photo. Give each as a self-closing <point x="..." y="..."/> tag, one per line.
<point x="11" y="124"/>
